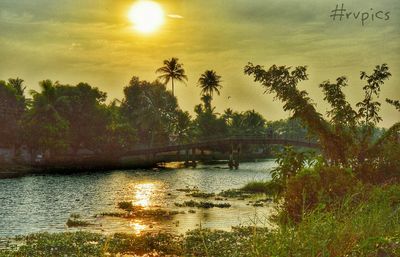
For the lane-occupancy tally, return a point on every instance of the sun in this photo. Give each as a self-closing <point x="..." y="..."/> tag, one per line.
<point x="146" y="16"/>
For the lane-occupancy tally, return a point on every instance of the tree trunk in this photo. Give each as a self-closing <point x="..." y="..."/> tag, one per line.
<point x="172" y="80"/>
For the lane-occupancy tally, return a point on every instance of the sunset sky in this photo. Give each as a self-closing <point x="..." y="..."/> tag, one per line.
<point x="94" y="41"/>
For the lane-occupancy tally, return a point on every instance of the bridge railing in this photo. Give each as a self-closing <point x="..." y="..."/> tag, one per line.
<point x="214" y="139"/>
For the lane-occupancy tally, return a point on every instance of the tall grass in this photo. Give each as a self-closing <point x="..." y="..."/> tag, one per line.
<point x="364" y="224"/>
<point x="255" y="187"/>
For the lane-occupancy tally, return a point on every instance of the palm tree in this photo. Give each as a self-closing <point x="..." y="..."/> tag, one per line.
<point x="227" y="116"/>
<point x="207" y="101"/>
<point x="47" y="98"/>
<point x="209" y="82"/>
<point x="172" y="70"/>
<point x="17" y="84"/>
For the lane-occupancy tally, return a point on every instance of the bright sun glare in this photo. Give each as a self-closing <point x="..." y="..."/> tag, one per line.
<point x="146" y="16"/>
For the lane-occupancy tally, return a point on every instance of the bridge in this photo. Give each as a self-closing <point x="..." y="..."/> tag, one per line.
<point x="232" y="144"/>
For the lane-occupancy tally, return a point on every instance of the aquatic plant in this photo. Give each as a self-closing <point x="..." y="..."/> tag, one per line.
<point x="204" y="205"/>
<point x="201" y="195"/>
<point x="77" y="223"/>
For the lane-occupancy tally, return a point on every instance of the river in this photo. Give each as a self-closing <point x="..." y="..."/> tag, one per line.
<point x="45" y="202"/>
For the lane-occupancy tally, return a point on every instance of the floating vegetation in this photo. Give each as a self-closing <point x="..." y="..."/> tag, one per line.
<point x="133" y="211"/>
<point x="128" y="206"/>
<point x="204" y="205"/>
<point x="75" y="216"/>
<point x="201" y="195"/>
<point x="188" y="189"/>
<point x="154" y="214"/>
<point x="235" y="193"/>
<point x="114" y="214"/>
<point x="75" y="221"/>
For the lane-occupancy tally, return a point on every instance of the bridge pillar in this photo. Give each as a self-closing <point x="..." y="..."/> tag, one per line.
<point x="238" y="150"/>
<point x="194" y="164"/>
<point x="186" y="158"/>
<point x="230" y="162"/>
<point x="234" y="158"/>
<point x="190" y="160"/>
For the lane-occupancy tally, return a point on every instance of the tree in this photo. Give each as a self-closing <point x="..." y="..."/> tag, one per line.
<point x="83" y="106"/>
<point x="172" y="70"/>
<point x="151" y="109"/>
<point x="244" y="123"/>
<point x="210" y="82"/>
<point x="12" y="107"/>
<point x="369" y="109"/>
<point x="120" y="135"/>
<point x="344" y="140"/>
<point x="18" y="85"/>
<point x="227" y="116"/>
<point x="395" y="103"/>
<point x="44" y="129"/>
<point x="207" y="123"/>
<point x="183" y="127"/>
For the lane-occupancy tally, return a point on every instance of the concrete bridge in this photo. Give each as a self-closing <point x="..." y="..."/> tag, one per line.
<point x="188" y="152"/>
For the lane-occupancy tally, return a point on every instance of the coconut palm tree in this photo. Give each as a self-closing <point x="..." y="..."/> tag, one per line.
<point x="47" y="98"/>
<point x="172" y="70"/>
<point x="227" y="116"/>
<point x="210" y="82"/>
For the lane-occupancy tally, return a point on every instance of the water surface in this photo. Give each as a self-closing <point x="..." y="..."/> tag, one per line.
<point x="44" y="203"/>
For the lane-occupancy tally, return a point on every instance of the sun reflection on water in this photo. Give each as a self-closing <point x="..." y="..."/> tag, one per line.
<point x="137" y="227"/>
<point x="143" y="194"/>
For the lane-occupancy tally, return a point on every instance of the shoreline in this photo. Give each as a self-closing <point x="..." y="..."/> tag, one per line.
<point x="10" y="170"/>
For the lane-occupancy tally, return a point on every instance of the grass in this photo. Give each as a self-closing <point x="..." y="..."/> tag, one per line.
<point x="255" y="187"/>
<point x="363" y="224"/>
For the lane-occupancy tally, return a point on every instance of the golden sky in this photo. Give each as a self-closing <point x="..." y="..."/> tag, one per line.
<point x="93" y="41"/>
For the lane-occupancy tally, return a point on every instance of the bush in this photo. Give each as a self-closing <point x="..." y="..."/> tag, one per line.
<point x="321" y="187"/>
<point x="255" y="187"/>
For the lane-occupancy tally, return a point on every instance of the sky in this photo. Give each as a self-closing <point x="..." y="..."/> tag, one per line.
<point x="93" y="41"/>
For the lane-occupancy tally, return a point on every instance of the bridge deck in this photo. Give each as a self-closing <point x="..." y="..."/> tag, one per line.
<point x="215" y="142"/>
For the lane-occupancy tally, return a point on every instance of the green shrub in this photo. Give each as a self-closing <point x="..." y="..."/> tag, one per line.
<point x="255" y="187"/>
<point x="316" y="187"/>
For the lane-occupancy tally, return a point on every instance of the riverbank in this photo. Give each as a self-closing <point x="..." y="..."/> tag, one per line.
<point x="10" y="170"/>
<point x="368" y="226"/>
<point x="19" y="170"/>
<point x="15" y="170"/>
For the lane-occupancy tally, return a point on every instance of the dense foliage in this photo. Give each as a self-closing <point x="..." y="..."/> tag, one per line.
<point x="354" y="151"/>
<point x="61" y="121"/>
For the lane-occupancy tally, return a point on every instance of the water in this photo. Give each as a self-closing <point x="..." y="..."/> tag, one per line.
<point x="44" y="203"/>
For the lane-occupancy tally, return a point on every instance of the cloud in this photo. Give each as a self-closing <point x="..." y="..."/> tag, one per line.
<point x="175" y="16"/>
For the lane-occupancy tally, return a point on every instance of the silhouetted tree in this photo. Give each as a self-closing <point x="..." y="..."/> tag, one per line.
<point x="12" y="107"/>
<point x="210" y="82"/>
<point x="172" y="70"/>
<point x="348" y="140"/>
